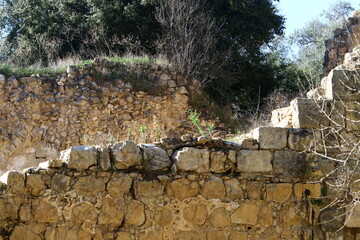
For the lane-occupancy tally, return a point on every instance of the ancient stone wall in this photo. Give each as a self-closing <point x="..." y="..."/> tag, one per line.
<point x="176" y="189"/>
<point x="343" y="42"/>
<point x="40" y="115"/>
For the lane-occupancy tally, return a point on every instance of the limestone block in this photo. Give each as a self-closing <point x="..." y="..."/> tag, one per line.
<point x="290" y="163"/>
<point x="307" y="190"/>
<point x="163" y="216"/>
<point x="80" y="157"/>
<point x="35" y="184"/>
<point x="104" y="159"/>
<point x="124" y="236"/>
<point x="126" y="154"/>
<point x="89" y="186"/>
<point x="84" y="212"/>
<point x="219" y="218"/>
<point x="235" y="235"/>
<point x="278" y="192"/>
<point x="234" y="189"/>
<point x="218" y="162"/>
<point x="342" y="84"/>
<point x="301" y="139"/>
<point x="25" y="213"/>
<point x="214" y="188"/>
<point x="254" y="161"/>
<point x="44" y="212"/>
<point x="60" y="183"/>
<point x="354" y="221"/>
<point x="216" y="235"/>
<point x="309" y="114"/>
<point x="135" y="214"/>
<point x="190" y="236"/>
<point x="192" y="159"/>
<point x="15" y="182"/>
<point x="153" y="235"/>
<point x="332" y="219"/>
<point x="119" y="185"/>
<point x="245" y="214"/>
<point x="282" y="117"/>
<point x="155" y="158"/>
<point x="254" y="190"/>
<point x="149" y="189"/>
<point x="265" y="215"/>
<point x="182" y="188"/>
<point x="271" y="138"/>
<point x="110" y="213"/>
<point x="352" y="112"/>
<point x="195" y="213"/>
<point x="22" y="232"/>
<point x="8" y="210"/>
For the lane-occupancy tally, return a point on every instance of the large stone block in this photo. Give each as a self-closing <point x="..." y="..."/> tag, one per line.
<point x="119" y="185"/>
<point x="214" y="188"/>
<point x="182" y="188"/>
<point x="155" y="158"/>
<point x="290" y="163"/>
<point x="149" y="189"/>
<point x="35" y="184"/>
<point x="278" y="192"/>
<point x="22" y="232"/>
<point x="301" y="139"/>
<point x="15" y="182"/>
<point x="342" y="84"/>
<point x="89" y="186"/>
<point x="44" y="212"/>
<point x="219" y="162"/>
<point x="271" y="138"/>
<point x="245" y="214"/>
<point x="192" y="159"/>
<point x="111" y="213"/>
<point x="80" y="157"/>
<point x="195" y="213"/>
<point x="254" y="161"/>
<point x="309" y="114"/>
<point x="282" y="117"/>
<point x="84" y="213"/>
<point x="126" y="154"/>
<point x="60" y="183"/>
<point x="219" y="218"/>
<point x="135" y="214"/>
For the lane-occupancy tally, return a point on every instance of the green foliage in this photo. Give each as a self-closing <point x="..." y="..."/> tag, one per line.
<point x="142" y="130"/>
<point x="194" y="117"/>
<point x="310" y="42"/>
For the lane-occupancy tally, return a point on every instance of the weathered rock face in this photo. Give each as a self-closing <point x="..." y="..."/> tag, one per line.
<point x="206" y="193"/>
<point x="39" y="114"/>
<point x="342" y="44"/>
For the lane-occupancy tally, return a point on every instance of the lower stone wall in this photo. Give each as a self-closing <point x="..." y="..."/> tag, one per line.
<point x="179" y="189"/>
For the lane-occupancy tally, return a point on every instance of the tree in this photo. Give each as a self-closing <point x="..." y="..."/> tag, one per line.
<point x="310" y="41"/>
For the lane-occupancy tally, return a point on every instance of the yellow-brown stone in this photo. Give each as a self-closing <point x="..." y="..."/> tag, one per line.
<point x="214" y="188"/>
<point x="195" y="213"/>
<point x="278" y="192"/>
<point x="247" y="213"/>
<point x="182" y="188"/>
<point x="219" y="218"/>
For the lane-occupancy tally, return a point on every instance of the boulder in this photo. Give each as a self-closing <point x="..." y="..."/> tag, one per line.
<point x="80" y="157"/>
<point x="125" y="155"/>
<point x="192" y="160"/>
<point x="155" y="158"/>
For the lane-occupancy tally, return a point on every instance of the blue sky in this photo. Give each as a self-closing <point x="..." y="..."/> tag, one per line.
<point x="297" y="12"/>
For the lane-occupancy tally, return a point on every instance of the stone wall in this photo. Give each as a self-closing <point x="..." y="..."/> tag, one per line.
<point x="40" y="115"/>
<point x="343" y="42"/>
<point x="181" y="189"/>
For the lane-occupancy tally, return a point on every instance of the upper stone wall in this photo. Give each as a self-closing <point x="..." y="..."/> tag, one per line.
<point x="85" y="106"/>
<point x="344" y="41"/>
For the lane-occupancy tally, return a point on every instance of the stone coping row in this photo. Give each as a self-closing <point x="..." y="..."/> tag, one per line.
<point x="202" y="155"/>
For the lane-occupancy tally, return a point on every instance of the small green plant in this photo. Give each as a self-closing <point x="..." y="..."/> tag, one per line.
<point x="142" y="131"/>
<point x="324" y="191"/>
<point x="128" y="133"/>
<point x="111" y="169"/>
<point x="86" y="138"/>
<point x="194" y="117"/>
